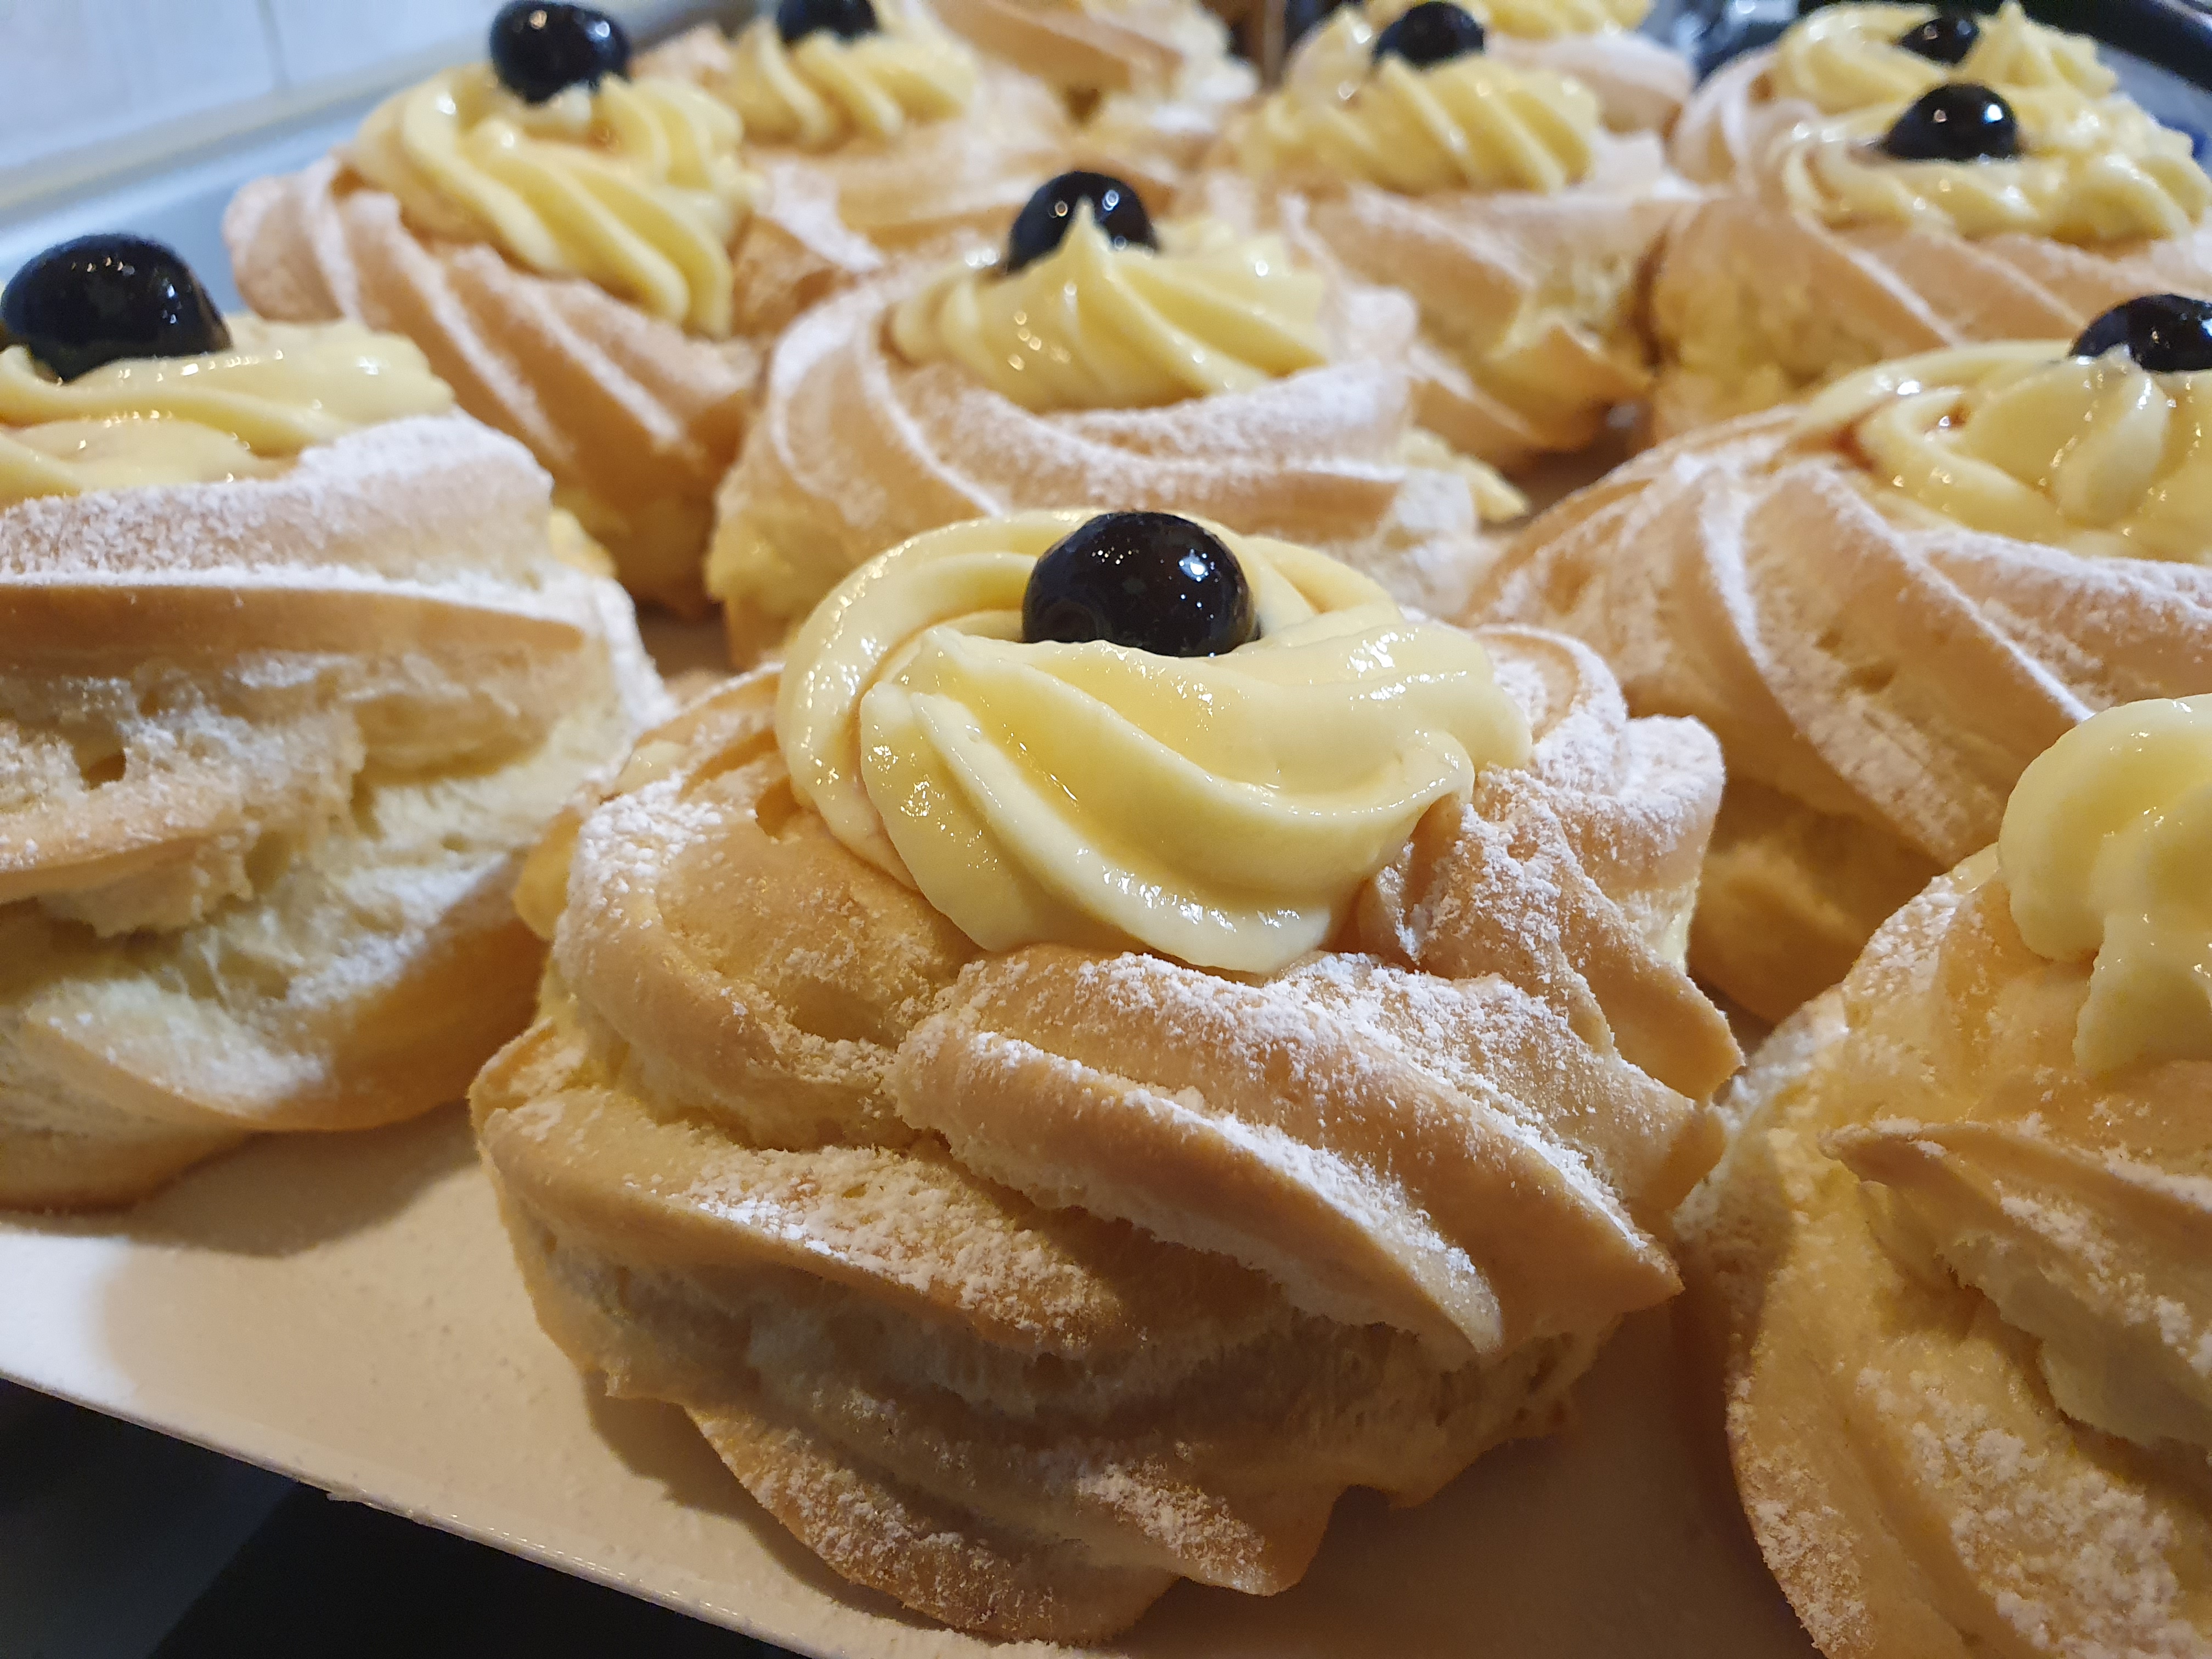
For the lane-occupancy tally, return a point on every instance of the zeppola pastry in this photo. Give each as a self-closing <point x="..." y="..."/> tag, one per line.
<point x="1640" y="85"/>
<point x="1150" y="81"/>
<point x="1841" y="60"/>
<point x="1885" y="603"/>
<point x="558" y="239"/>
<point x="1959" y="1260"/>
<point x="1123" y="1035"/>
<point x="876" y="136"/>
<point x="1187" y="368"/>
<point x="1495" y="197"/>
<point x="1970" y="211"/>
<point x="291" y="673"/>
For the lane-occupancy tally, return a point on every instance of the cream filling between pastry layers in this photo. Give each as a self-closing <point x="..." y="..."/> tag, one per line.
<point x="634" y="186"/>
<point x="1091" y="325"/>
<point x="2023" y="440"/>
<point x="1845" y="58"/>
<point x="1220" y="810"/>
<point x="242" y="412"/>
<point x="2108" y="848"/>
<point x="825" y="91"/>
<point x="1473" y="122"/>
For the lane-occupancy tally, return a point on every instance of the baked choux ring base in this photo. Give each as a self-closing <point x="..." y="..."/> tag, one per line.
<point x="890" y="1216"/>
<point x="1913" y="1483"/>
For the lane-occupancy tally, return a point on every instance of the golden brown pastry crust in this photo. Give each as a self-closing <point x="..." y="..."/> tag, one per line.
<point x="1751" y="304"/>
<point x="1877" y="686"/>
<point x="270" y="752"/>
<point x="635" y="419"/>
<point x="898" y="1222"/>
<point x="1909" y="1477"/>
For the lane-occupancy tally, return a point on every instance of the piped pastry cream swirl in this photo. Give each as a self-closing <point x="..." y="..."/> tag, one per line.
<point x="1473" y="122"/>
<point x="1223" y="810"/>
<point x="1846" y="58"/>
<point x="2088" y="173"/>
<point x="2021" y="440"/>
<point x="1544" y="19"/>
<point x="2106" y="845"/>
<point x="825" y="90"/>
<point x="242" y="412"/>
<point x="1093" y="325"/>
<point x="634" y="186"/>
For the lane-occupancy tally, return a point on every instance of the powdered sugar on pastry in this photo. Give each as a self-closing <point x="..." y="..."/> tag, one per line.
<point x="964" y="1344"/>
<point x="273" y="748"/>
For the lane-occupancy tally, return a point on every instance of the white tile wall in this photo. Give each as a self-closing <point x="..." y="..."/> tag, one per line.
<point x="317" y="40"/>
<point x="83" y="72"/>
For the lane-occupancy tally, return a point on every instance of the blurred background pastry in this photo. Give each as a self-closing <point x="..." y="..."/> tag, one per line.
<point x="1885" y="603"/>
<point x="878" y="136"/>
<point x="1184" y="367"/>
<point x="296" y="663"/>
<point x="2014" y="196"/>
<point x="1839" y="59"/>
<point x="1640" y="84"/>
<point x="1496" y="197"/>
<point x="1150" y="83"/>
<point x="1955" y="1262"/>
<point x="1052" y="1143"/>
<point x="558" y="239"/>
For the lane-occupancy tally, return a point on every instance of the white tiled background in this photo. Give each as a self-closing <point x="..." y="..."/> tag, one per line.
<point x="86" y="76"/>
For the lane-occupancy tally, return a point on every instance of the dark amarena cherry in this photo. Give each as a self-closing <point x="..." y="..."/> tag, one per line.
<point x="539" y="48"/>
<point x="1042" y="225"/>
<point x="102" y="298"/>
<point x="848" y="20"/>
<point x="2165" y="333"/>
<point x="1945" y="37"/>
<point x="1958" y="121"/>
<point x="1434" y="31"/>
<point x="1149" y="581"/>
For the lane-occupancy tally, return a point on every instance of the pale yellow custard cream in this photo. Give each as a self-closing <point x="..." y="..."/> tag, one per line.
<point x="825" y="90"/>
<point x="1093" y="325"/>
<point x="242" y="412"/>
<point x="1845" y="58"/>
<point x="634" y="186"/>
<point x="2088" y="172"/>
<point x="2108" y="850"/>
<point x="2021" y="440"/>
<point x="1542" y="20"/>
<point x="1224" y="811"/>
<point x="1473" y="122"/>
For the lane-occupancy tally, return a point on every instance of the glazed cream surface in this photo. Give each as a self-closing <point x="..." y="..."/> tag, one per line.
<point x="825" y="91"/>
<point x="634" y="186"/>
<point x="243" y="412"/>
<point x="1473" y="122"/>
<point x="2023" y="440"/>
<point x="1091" y="325"/>
<point x="1220" y="810"/>
<point x="2089" y="172"/>
<point x="1845" y="58"/>
<point x="2106" y="845"/>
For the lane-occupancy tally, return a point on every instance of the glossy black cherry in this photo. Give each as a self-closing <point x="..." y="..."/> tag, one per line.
<point x="1434" y="31"/>
<point x="540" y="47"/>
<point x="1149" y="581"/>
<point x="102" y="298"/>
<point x="1958" y="121"/>
<point x="848" y="20"/>
<point x="1302" y="18"/>
<point x="1042" y="225"/>
<point x="2165" y="333"/>
<point x="1945" y="37"/>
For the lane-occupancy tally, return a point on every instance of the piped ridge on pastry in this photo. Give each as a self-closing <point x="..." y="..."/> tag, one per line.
<point x="1885" y="618"/>
<point x="1020" y="1282"/>
<point x="1955" y="1260"/>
